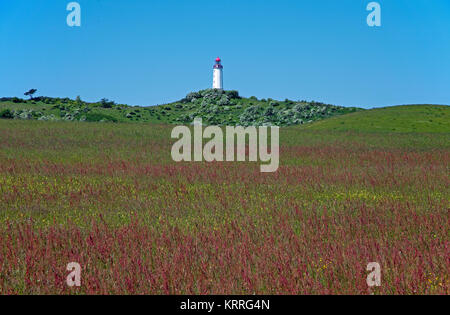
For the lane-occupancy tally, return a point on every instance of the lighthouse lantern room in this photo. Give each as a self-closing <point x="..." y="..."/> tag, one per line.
<point x="218" y="75"/>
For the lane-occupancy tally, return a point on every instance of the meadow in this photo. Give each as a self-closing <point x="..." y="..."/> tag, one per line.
<point x="109" y="197"/>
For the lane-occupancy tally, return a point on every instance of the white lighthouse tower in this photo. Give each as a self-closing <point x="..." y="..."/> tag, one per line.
<point x="218" y="75"/>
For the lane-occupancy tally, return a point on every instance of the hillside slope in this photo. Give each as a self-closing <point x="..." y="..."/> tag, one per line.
<point x="215" y="107"/>
<point x="405" y="118"/>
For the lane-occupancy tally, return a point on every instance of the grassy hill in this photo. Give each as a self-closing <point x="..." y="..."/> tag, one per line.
<point x="405" y="118"/>
<point x="215" y="107"/>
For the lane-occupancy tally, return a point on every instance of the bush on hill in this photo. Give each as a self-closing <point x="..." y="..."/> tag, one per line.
<point x="6" y="114"/>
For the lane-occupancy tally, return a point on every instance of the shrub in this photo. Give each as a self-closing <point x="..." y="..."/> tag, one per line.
<point x="224" y="100"/>
<point x="269" y="112"/>
<point x="105" y="103"/>
<point x="191" y="97"/>
<point x="232" y="94"/>
<point x="6" y="114"/>
<point x="274" y="104"/>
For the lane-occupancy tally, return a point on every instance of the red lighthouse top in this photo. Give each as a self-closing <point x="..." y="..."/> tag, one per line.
<point x="218" y="65"/>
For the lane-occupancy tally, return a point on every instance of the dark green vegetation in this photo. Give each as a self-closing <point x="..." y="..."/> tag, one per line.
<point x="218" y="107"/>
<point x="215" y="107"/>
<point x="407" y="118"/>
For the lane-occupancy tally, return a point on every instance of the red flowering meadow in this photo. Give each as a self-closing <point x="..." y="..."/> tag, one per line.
<point x="109" y="197"/>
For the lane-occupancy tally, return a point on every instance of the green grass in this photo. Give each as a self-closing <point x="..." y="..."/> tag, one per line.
<point x="406" y="118"/>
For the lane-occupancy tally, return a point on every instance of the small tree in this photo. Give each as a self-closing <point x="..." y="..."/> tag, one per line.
<point x="105" y="103"/>
<point x="30" y="93"/>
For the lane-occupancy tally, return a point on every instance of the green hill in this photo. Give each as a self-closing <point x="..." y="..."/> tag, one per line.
<point x="405" y="118"/>
<point x="215" y="107"/>
<point x="218" y="107"/>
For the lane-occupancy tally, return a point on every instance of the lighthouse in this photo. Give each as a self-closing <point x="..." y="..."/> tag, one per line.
<point x="218" y="75"/>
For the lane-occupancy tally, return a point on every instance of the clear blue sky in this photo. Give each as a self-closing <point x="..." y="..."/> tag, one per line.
<point x="147" y="52"/>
